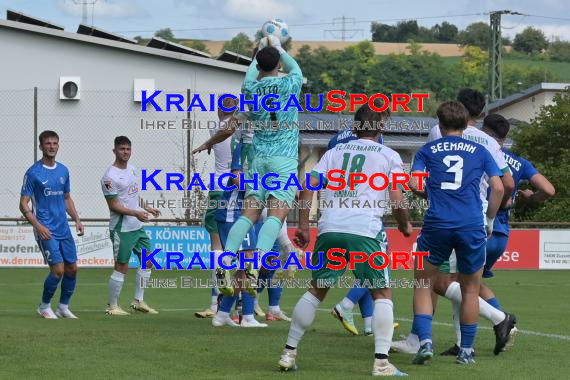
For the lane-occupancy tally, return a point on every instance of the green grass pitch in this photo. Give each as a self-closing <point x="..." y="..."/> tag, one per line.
<point x="176" y="345"/>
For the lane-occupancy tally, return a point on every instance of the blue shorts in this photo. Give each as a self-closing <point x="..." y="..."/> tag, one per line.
<point x="469" y="247"/>
<point x="495" y="249"/>
<point x="56" y="251"/>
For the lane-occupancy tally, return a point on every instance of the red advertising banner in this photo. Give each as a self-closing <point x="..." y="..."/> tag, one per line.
<point x="522" y="250"/>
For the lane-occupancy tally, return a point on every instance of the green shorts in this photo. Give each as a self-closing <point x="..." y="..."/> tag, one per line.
<point x="449" y="266"/>
<point x="209" y="222"/>
<point x="284" y="167"/>
<point x="125" y="243"/>
<point x="354" y="243"/>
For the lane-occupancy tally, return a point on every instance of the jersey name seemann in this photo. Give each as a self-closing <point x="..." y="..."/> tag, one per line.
<point x="447" y="146"/>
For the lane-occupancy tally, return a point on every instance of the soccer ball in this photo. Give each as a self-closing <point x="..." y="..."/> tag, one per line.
<point x="277" y="28"/>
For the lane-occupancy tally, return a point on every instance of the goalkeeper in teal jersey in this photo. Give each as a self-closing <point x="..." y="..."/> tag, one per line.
<point x="275" y="150"/>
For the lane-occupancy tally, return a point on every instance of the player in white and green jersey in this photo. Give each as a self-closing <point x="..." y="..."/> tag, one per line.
<point x="354" y="229"/>
<point x="121" y="190"/>
<point x="274" y="150"/>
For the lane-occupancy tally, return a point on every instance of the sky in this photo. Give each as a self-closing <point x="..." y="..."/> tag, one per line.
<point x="308" y="20"/>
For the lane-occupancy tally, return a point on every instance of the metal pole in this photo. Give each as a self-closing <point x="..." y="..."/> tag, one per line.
<point x="188" y="156"/>
<point x="35" y="124"/>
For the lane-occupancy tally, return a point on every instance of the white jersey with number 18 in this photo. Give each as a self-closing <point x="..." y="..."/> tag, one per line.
<point x="356" y="211"/>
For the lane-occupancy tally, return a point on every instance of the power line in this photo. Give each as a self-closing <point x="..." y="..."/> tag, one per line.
<point x="547" y="17"/>
<point x="317" y="24"/>
<point x="343" y="31"/>
<point x="332" y="23"/>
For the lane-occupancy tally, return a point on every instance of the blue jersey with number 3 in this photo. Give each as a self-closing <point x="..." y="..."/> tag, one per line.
<point x="455" y="168"/>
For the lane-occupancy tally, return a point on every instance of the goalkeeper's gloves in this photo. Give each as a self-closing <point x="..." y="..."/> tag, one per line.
<point x="271" y="41"/>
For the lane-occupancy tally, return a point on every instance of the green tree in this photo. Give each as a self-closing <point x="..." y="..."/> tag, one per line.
<point x="473" y="67"/>
<point x="240" y="44"/>
<point x="445" y="32"/>
<point x="530" y="41"/>
<point x="139" y="39"/>
<point x="166" y="34"/>
<point x="382" y="32"/>
<point x="476" y="34"/>
<point x="517" y="78"/>
<point x="559" y="51"/>
<point x="544" y="143"/>
<point x="197" y="45"/>
<point x="406" y="30"/>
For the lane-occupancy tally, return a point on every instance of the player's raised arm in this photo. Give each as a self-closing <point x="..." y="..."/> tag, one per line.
<point x="220" y="136"/>
<point x="290" y="66"/>
<point x="252" y="72"/>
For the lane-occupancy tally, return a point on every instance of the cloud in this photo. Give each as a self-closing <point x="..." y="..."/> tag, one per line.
<point x="258" y="10"/>
<point x="551" y="31"/>
<point x="104" y="8"/>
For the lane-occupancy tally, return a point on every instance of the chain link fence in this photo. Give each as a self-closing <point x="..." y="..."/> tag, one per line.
<point x="87" y="128"/>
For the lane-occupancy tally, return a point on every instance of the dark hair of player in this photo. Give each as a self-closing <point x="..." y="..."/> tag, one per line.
<point x="368" y="122"/>
<point x="47" y="134"/>
<point x="497" y="125"/>
<point x="268" y="58"/>
<point x="122" y="140"/>
<point x="453" y="116"/>
<point x="473" y="100"/>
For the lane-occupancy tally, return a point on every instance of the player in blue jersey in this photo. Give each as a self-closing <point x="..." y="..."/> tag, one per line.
<point x="498" y="127"/>
<point x="454" y="222"/>
<point x="446" y="284"/>
<point x="275" y="150"/>
<point x="46" y="184"/>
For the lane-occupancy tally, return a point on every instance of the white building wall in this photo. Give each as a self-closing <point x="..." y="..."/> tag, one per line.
<point x="106" y="109"/>
<point x="528" y="108"/>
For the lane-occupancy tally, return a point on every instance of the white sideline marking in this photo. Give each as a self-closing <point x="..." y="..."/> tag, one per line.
<point x="526" y="332"/>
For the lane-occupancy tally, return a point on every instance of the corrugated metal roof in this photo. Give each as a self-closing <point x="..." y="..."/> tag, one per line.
<point x="4" y="24"/>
